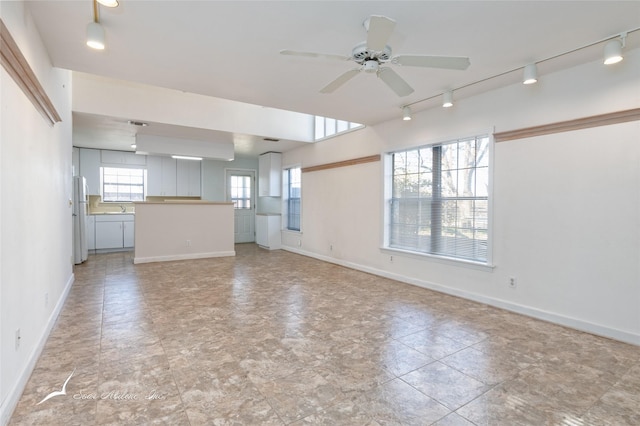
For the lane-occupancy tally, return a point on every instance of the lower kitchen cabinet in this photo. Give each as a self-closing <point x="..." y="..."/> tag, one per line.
<point x="114" y="231"/>
<point x="268" y="231"/>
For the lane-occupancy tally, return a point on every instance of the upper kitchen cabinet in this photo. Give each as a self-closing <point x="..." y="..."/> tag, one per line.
<point x="270" y="174"/>
<point x="90" y="169"/>
<point x="188" y="178"/>
<point x="161" y="176"/>
<point x="123" y="157"/>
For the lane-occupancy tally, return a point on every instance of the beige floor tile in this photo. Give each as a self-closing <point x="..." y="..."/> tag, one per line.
<point x="275" y="338"/>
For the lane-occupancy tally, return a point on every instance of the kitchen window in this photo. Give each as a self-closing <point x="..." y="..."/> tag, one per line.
<point x="438" y="200"/>
<point x="122" y="184"/>
<point x="293" y="186"/>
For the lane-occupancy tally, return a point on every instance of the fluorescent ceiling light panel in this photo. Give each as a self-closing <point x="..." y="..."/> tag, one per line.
<point x="184" y="157"/>
<point x="161" y="145"/>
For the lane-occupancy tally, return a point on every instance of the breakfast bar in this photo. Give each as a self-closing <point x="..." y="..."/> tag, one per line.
<point x="179" y="230"/>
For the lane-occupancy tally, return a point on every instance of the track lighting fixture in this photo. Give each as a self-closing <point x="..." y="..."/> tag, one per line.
<point x="530" y="74"/>
<point x="447" y="99"/>
<point x="95" y="36"/>
<point x="109" y="3"/>
<point x="406" y="113"/>
<point x="95" y="32"/>
<point x="613" y="50"/>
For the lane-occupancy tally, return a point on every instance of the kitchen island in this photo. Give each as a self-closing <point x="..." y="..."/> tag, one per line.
<point x="178" y="230"/>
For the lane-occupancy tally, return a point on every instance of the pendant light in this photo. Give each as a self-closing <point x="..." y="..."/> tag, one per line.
<point x="95" y="32"/>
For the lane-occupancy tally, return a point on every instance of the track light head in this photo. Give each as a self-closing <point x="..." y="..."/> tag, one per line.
<point x="109" y="3"/>
<point x="530" y="74"/>
<point x="406" y="113"/>
<point x="613" y="51"/>
<point x="447" y="99"/>
<point x="95" y="36"/>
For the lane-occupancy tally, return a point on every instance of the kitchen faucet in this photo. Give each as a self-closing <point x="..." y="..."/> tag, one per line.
<point x="123" y="208"/>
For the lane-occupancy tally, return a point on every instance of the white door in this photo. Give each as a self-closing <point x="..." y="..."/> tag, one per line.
<point x="241" y="192"/>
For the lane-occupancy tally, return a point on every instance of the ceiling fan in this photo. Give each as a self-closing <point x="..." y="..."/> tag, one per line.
<point x="371" y="54"/>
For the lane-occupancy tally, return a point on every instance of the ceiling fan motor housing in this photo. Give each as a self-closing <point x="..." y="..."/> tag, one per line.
<point x="361" y="54"/>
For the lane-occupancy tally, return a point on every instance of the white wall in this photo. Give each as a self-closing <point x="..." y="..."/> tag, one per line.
<point x="566" y="206"/>
<point x="36" y="245"/>
<point x="116" y="98"/>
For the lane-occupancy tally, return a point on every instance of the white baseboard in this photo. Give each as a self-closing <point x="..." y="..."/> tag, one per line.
<point x="577" y="324"/>
<point x="188" y="256"/>
<point x="13" y="397"/>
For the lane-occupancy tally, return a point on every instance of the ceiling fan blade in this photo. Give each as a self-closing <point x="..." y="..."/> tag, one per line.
<point x="395" y="82"/>
<point x="378" y="32"/>
<point x="447" y="62"/>
<point x="335" y="84"/>
<point x="314" y="55"/>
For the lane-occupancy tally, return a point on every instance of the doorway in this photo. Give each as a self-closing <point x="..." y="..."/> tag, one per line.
<point x="241" y="192"/>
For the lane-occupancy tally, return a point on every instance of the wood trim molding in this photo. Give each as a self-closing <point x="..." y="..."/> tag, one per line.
<point x="566" y="126"/>
<point x="361" y="160"/>
<point x="18" y="68"/>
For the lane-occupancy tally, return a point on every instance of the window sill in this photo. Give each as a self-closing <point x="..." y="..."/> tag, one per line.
<point x="440" y="259"/>
<point x="291" y="231"/>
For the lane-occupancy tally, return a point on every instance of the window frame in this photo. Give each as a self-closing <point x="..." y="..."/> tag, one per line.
<point x="388" y="168"/>
<point x="122" y="167"/>
<point x="286" y="192"/>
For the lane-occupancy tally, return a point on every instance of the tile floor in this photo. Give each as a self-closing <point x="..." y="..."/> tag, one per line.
<point x="273" y="338"/>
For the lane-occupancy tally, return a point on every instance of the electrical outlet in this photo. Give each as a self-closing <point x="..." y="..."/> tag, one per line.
<point x="188" y="243"/>
<point x="513" y="283"/>
<point x="46" y="300"/>
<point x="330" y="247"/>
<point x="299" y="243"/>
<point x="391" y="259"/>
<point x="18" y="337"/>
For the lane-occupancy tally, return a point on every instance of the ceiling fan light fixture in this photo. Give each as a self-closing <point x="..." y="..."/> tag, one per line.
<point x="95" y="36"/>
<point x="371" y="66"/>
<point x="530" y="74"/>
<point x="109" y="3"/>
<point x="406" y="113"/>
<point x="447" y="99"/>
<point x="613" y="51"/>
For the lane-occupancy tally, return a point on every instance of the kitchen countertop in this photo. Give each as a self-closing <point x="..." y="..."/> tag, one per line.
<point x="189" y="202"/>
<point x="110" y="213"/>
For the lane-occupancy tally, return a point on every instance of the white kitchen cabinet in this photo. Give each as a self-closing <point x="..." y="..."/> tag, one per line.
<point x="91" y="232"/>
<point x="161" y="176"/>
<point x="268" y="231"/>
<point x="122" y="157"/>
<point x="128" y="229"/>
<point x="109" y="235"/>
<point x="188" y="178"/>
<point x="270" y="174"/>
<point x="90" y="169"/>
<point x="114" y="231"/>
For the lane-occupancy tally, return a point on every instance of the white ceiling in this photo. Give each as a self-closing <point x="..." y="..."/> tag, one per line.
<point x="230" y="49"/>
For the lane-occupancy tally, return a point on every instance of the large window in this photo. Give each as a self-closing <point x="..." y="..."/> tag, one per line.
<point x="439" y="199"/>
<point x="122" y="185"/>
<point x="293" y="186"/>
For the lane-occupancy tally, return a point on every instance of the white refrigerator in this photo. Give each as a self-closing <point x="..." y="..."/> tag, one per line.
<point x="80" y="208"/>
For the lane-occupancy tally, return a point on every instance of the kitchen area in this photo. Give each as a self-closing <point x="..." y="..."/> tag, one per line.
<point x="117" y="184"/>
